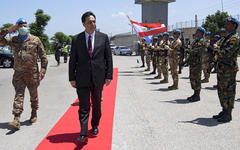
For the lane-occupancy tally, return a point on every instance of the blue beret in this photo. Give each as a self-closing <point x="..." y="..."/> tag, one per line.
<point x="201" y="29"/>
<point x="166" y="33"/>
<point x="160" y="35"/>
<point x="177" y="31"/>
<point x="171" y="37"/>
<point x="231" y="19"/>
<point x="222" y="30"/>
<point x="208" y="33"/>
<point x="21" y="21"/>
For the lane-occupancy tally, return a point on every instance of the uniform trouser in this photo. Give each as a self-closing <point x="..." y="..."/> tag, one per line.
<point x="195" y="76"/>
<point x="148" y="59"/>
<point x="142" y="53"/>
<point x="173" y="62"/>
<point x="164" y="66"/>
<point x="205" y="66"/>
<point x="154" y="62"/>
<point x="57" y="56"/>
<point x="84" y="94"/>
<point x="20" y="81"/>
<point x="158" y="65"/>
<point x="65" y="57"/>
<point x="226" y="83"/>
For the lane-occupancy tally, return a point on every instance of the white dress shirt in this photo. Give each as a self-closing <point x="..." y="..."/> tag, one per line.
<point x="92" y="38"/>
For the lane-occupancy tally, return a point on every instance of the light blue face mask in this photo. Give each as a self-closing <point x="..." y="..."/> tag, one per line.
<point x="23" y="31"/>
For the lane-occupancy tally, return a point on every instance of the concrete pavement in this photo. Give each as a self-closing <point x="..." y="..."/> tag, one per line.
<point x="147" y="116"/>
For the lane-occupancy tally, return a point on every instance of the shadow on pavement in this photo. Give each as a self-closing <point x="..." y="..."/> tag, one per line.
<point x="154" y="82"/>
<point x="4" y="125"/>
<point x="210" y="88"/>
<point x="75" y="104"/>
<point x="237" y="100"/>
<point x="149" y="79"/>
<point x="68" y="138"/>
<point x="126" y="72"/>
<point x="162" y="89"/>
<point x="178" y="101"/>
<point x="131" y="75"/>
<point x="184" y="77"/>
<point x="209" y="122"/>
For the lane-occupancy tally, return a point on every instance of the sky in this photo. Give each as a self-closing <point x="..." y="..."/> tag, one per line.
<point x="110" y="14"/>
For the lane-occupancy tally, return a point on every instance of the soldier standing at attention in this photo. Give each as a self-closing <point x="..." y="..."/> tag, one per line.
<point x="142" y="52"/>
<point x="227" y="68"/>
<point x="157" y="52"/>
<point x="148" y="55"/>
<point x="164" y="56"/>
<point x="173" y="51"/>
<point x="195" y="64"/>
<point x="26" y="48"/>
<point x="153" y="54"/>
<point x="205" y="59"/>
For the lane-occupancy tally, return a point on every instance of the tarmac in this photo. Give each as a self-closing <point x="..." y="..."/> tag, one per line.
<point x="147" y="115"/>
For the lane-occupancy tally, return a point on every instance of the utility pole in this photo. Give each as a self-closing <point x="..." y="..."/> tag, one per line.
<point x="222" y="5"/>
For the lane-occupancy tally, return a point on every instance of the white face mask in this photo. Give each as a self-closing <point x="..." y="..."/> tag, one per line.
<point x="23" y="30"/>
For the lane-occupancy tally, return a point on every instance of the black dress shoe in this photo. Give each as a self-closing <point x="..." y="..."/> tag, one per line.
<point x="95" y="130"/>
<point x="83" y="139"/>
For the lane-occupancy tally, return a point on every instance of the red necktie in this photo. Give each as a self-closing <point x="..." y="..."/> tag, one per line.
<point x="89" y="45"/>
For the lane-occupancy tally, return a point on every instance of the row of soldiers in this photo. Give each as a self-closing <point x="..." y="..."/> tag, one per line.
<point x="202" y="54"/>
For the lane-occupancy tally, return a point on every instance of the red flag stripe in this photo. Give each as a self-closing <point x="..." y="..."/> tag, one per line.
<point x="148" y="25"/>
<point x="152" y="32"/>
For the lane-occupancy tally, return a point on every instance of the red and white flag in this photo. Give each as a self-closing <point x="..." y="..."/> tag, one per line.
<point x="148" y="29"/>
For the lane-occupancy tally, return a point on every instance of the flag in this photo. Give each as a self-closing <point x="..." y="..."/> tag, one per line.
<point x="146" y="30"/>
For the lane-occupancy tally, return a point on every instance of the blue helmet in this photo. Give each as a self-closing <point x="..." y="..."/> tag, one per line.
<point x="208" y="33"/>
<point x="177" y="31"/>
<point x="171" y="37"/>
<point x="222" y="30"/>
<point x="166" y="33"/>
<point x="201" y="29"/>
<point x="234" y="20"/>
<point x="21" y="21"/>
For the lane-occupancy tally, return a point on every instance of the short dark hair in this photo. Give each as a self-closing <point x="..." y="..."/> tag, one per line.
<point x="87" y="14"/>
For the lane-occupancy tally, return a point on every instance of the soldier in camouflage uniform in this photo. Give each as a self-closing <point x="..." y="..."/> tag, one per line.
<point x="195" y="64"/>
<point x="173" y="51"/>
<point x="148" y="55"/>
<point x="164" y="56"/>
<point x="153" y="54"/>
<point x="205" y="59"/>
<point x="26" y="48"/>
<point x="157" y="52"/>
<point x="142" y="52"/>
<point x="227" y="68"/>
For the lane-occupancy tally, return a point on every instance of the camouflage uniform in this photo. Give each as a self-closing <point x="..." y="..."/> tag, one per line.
<point x="227" y="68"/>
<point x="26" y="72"/>
<point x="205" y="62"/>
<point x="173" y="51"/>
<point x="195" y="69"/>
<point x="158" y="60"/>
<point x="148" y="56"/>
<point x="153" y="56"/>
<point x="164" y="59"/>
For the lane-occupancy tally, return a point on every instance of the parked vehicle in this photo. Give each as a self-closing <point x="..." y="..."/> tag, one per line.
<point x="112" y="46"/>
<point x="122" y="50"/>
<point x="6" y="58"/>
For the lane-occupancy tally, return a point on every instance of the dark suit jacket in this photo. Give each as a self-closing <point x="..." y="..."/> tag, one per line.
<point x="82" y="66"/>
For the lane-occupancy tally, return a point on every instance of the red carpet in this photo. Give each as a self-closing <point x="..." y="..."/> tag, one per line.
<point x="64" y="134"/>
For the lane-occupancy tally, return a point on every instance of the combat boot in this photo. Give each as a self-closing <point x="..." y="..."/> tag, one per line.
<point x="219" y="115"/>
<point x="174" y="86"/>
<point x="227" y="116"/>
<point x="147" y="69"/>
<point x="33" y="117"/>
<point x="205" y="80"/>
<point x="164" y="81"/>
<point x="153" y="72"/>
<point x="142" y="66"/>
<point x="158" y="77"/>
<point x="195" y="97"/>
<point x="15" y="124"/>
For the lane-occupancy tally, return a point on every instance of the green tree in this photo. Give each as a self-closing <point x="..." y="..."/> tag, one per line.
<point x="6" y="26"/>
<point x="62" y="39"/>
<point x="38" y="27"/>
<point x="215" y="22"/>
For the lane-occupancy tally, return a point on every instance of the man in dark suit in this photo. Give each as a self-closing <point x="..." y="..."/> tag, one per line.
<point x="90" y="67"/>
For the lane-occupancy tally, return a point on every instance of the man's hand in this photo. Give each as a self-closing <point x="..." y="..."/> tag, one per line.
<point x="107" y="82"/>
<point x="13" y="28"/>
<point x="73" y="84"/>
<point x="41" y="76"/>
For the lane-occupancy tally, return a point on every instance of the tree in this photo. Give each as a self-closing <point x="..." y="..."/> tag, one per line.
<point x="215" y="22"/>
<point x="6" y="26"/>
<point x="62" y="39"/>
<point x="38" y="27"/>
